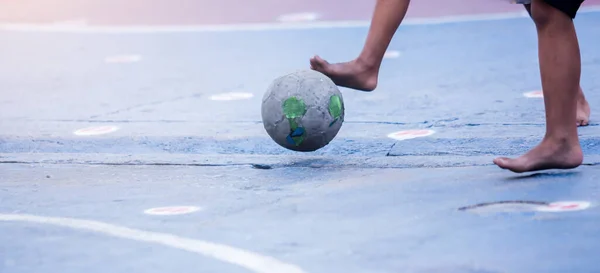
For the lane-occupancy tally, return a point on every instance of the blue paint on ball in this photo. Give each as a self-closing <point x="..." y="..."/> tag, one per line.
<point x="298" y="132"/>
<point x="290" y="140"/>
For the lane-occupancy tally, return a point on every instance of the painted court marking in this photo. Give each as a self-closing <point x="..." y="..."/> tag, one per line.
<point x="410" y="134"/>
<point x="97" y="130"/>
<point x="264" y="26"/>
<point x="391" y="54"/>
<point x="72" y="22"/>
<point x="298" y="17"/>
<point x="232" y="96"/>
<point x="174" y="210"/>
<point x="249" y="260"/>
<point x="527" y="206"/>
<point x="565" y="206"/>
<point x="123" y="59"/>
<point x="504" y="206"/>
<point x="534" y="94"/>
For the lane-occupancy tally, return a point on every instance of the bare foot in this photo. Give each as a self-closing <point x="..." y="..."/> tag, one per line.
<point x="353" y="74"/>
<point x="547" y="155"/>
<point x="583" y="109"/>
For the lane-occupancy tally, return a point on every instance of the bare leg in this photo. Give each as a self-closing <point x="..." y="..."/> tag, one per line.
<point x="560" y="67"/>
<point x="362" y="72"/>
<point x="582" y="116"/>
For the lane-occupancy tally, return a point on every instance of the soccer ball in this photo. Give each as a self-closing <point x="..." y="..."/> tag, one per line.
<point x="303" y="111"/>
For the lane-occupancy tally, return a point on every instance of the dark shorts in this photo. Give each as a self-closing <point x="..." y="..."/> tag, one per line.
<point x="569" y="7"/>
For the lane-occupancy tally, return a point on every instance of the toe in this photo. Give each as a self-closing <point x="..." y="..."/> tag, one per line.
<point x="500" y="161"/>
<point x="582" y="123"/>
<point x="320" y="61"/>
<point x="316" y="62"/>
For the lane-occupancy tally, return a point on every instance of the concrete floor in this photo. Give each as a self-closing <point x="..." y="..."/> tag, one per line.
<point x="71" y="202"/>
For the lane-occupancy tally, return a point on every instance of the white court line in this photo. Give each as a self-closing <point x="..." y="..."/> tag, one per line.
<point x="262" y="26"/>
<point x="252" y="261"/>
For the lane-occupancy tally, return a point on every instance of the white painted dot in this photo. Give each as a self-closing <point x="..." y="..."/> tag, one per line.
<point x="174" y="210"/>
<point x="565" y="206"/>
<point x="123" y="59"/>
<point x="528" y="206"/>
<point x="391" y="54"/>
<point x="298" y="17"/>
<point x="79" y="22"/>
<point x="96" y="130"/>
<point x="534" y="94"/>
<point x="232" y="96"/>
<point x="409" y="134"/>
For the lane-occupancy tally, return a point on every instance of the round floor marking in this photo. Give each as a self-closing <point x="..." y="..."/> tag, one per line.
<point x="534" y="94"/>
<point x="73" y="22"/>
<point x="123" y="59"/>
<point x="96" y="130"/>
<point x="391" y="54"/>
<point x="232" y="96"/>
<point x="527" y="206"/>
<point x="504" y="206"/>
<point x="252" y="261"/>
<point x="565" y="206"/>
<point x="298" y="17"/>
<point x="175" y="210"/>
<point x="409" y="134"/>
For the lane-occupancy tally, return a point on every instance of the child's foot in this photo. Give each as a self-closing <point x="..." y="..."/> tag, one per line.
<point x="583" y="109"/>
<point x="353" y="74"/>
<point x="549" y="154"/>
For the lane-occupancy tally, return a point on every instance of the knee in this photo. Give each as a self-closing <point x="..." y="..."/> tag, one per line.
<point x="543" y="14"/>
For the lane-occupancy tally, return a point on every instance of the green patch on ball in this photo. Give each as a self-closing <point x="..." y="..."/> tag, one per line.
<point x="294" y="109"/>
<point x="335" y="108"/>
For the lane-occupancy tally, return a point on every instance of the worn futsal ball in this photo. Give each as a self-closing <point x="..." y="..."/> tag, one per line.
<point x="303" y="111"/>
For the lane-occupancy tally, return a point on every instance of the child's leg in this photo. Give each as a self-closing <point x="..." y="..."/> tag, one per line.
<point x="583" y="108"/>
<point x="560" y="67"/>
<point x="362" y="72"/>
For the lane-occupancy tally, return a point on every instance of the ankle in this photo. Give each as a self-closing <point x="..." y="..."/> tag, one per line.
<point x="580" y="95"/>
<point x="561" y="139"/>
<point x="367" y="63"/>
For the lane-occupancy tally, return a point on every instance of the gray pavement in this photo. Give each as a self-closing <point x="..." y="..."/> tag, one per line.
<point x="322" y="219"/>
<point x="364" y="203"/>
